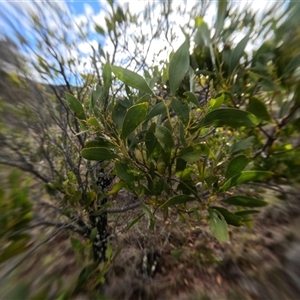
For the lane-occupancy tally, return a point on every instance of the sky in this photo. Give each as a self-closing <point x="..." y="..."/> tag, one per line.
<point x="87" y="13"/>
<point x="79" y="7"/>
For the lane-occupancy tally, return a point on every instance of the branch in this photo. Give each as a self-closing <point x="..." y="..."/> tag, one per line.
<point x="123" y="209"/>
<point x="27" y="168"/>
<point x="270" y="140"/>
<point x="272" y="187"/>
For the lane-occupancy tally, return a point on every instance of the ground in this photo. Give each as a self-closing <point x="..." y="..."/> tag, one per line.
<point x="178" y="260"/>
<point x="257" y="263"/>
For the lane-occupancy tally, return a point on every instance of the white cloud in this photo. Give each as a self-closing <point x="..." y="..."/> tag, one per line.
<point x="88" y="10"/>
<point x="86" y="47"/>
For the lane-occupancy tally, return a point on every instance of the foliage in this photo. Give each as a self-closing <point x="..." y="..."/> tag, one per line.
<point x="16" y="214"/>
<point x="181" y="135"/>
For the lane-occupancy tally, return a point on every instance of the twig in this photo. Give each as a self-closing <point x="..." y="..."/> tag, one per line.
<point x="123" y="209"/>
<point x="274" y="188"/>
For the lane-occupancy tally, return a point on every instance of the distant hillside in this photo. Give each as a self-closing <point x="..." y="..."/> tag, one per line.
<point x="17" y="92"/>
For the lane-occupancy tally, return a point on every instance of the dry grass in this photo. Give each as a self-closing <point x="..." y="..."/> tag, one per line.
<point x="257" y="263"/>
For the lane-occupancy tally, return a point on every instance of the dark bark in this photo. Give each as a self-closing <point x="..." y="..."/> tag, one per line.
<point x="104" y="181"/>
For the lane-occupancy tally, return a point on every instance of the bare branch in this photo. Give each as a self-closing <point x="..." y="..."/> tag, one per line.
<point x="123" y="209"/>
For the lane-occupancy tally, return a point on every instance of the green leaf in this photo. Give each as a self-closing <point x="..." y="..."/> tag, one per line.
<point x="182" y="134"/>
<point x="135" y="115"/>
<point x="43" y="65"/>
<point x="180" y="199"/>
<point x="98" y="154"/>
<point x="133" y="222"/>
<point x="193" y="153"/>
<point x="152" y="188"/>
<point x="108" y="252"/>
<point x="218" y="225"/>
<point x="217" y="102"/>
<point x="222" y="7"/>
<point x="161" y="165"/>
<point x="76" y="106"/>
<point x="131" y="79"/>
<point x="118" y="114"/>
<point x="118" y="186"/>
<point x="236" y="166"/>
<point x="77" y="246"/>
<point x="187" y="184"/>
<point x="226" y="56"/>
<point x="292" y="65"/>
<point x="124" y="172"/>
<point x="137" y="139"/>
<point x="157" y="109"/>
<point x="259" y="109"/>
<point x="100" y="142"/>
<point x="181" y="110"/>
<point x="192" y="79"/>
<point x="151" y="82"/>
<point x="191" y="97"/>
<point x="94" y="97"/>
<point x="203" y="33"/>
<point x="164" y="137"/>
<point x="22" y="291"/>
<point x="268" y="85"/>
<point x="244" y="177"/>
<point x="176" y="253"/>
<point x="237" y="53"/>
<point x="242" y="144"/>
<point x="179" y="65"/>
<point x="190" y="154"/>
<point x="83" y="127"/>
<point x="144" y="98"/>
<point x="85" y="275"/>
<point x="106" y="74"/>
<point x="100" y="211"/>
<point x="148" y="212"/>
<point x="243" y="213"/>
<point x="228" y="117"/>
<point x="296" y="97"/>
<point x="180" y="165"/>
<point x="150" y="140"/>
<point x="127" y="102"/>
<point x="100" y="30"/>
<point x="93" y="122"/>
<point x="229" y="217"/>
<point x="246" y="216"/>
<point x="245" y="201"/>
<point x="15" y="248"/>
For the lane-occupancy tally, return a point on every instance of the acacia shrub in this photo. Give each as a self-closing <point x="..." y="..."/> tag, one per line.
<point x="181" y="136"/>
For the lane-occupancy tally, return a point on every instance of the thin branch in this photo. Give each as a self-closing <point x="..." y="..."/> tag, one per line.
<point x="123" y="209"/>
<point x="27" y="168"/>
<point x="272" y="187"/>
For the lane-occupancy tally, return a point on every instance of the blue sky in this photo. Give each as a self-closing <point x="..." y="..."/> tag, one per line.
<point x="78" y="7"/>
<point x="17" y="12"/>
